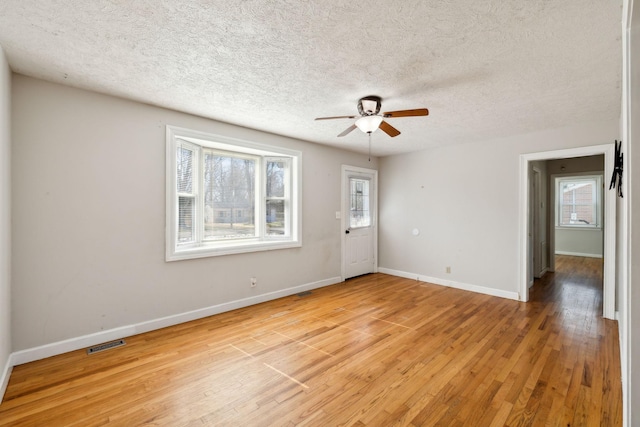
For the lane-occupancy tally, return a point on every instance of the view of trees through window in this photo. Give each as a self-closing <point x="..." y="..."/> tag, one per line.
<point x="229" y="190"/>
<point x="275" y="201"/>
<point x="229" y="196"/>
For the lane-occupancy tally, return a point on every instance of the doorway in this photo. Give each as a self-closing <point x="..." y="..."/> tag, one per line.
<point x="526" y="223"/>
<point x="538" y="227"/>
<point x="359" y="214"/>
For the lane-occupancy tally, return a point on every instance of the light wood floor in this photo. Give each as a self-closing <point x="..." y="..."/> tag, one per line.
<point x="374" y="351"/>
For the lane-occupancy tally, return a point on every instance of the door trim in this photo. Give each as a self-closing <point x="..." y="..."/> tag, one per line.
<point x="536" y="261"/>
<point x="608" y="276"/>
<point x="345" y="171"/>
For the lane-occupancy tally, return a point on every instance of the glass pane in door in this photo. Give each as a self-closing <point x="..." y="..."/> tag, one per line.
<point x="359" y="203"/>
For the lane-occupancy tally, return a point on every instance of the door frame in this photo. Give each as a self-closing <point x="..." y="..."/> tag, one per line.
<point x="536" y="242"/>
<point x="345" y="172"/>
<point x="608" y="276"/>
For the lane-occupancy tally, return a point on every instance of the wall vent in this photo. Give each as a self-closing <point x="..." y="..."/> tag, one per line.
<point x="304" y="294"/>
<point x="105" y="346"/>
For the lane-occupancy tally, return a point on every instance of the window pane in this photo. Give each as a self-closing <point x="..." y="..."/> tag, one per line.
<point x="275" y="218"/>
<point x="186" y="207"/>
<point x="275" y="178"/>
<point x="359" y="212"/>
<point x="184" y="170"/>
<point x="229" y="197"/>
<point x="578" y="204"/>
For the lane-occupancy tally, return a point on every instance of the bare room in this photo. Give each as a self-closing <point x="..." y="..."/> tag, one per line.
<point x="279" y="213"/>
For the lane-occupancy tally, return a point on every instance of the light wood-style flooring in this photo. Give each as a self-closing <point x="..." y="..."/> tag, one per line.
<point x="377" y="350"/>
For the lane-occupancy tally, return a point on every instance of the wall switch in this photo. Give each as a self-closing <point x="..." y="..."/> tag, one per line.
<point x="337" y="214"/>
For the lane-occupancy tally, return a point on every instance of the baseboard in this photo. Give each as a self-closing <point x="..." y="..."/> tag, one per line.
<point x="579" y="254"/>
<point x="60" y="347"/>
<point x="624" y="368"/>
<point x="452" y="284"/>
<point x="6" y="373"/>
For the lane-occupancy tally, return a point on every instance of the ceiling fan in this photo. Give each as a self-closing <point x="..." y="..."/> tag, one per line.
<point x="370" y="120"/>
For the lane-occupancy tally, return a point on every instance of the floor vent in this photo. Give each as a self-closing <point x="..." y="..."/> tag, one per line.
<point x="105" y="346"/>
<point x="304" y="294"/>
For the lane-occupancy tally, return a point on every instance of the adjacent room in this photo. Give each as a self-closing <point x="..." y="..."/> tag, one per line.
<point x="270" y="212"/>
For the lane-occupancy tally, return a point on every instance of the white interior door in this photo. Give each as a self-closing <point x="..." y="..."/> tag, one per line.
<point x="360" y="216"/>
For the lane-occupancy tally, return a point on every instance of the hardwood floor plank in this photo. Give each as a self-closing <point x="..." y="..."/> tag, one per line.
<point x="377" y="350"/>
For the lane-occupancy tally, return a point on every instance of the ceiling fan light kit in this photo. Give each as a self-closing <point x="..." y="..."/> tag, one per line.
<point x="368" y="124"/>
<point x="370" y="120"/>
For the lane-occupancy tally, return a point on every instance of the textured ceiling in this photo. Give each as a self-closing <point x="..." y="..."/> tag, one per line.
<point x="484" y="68"/>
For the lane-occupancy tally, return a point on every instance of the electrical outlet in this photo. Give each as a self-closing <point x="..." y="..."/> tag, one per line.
<point x="448" y="270"/>
<point x="254" y="282"/>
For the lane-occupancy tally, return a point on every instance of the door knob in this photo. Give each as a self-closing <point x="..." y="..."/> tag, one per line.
<point x="346" y="231"/>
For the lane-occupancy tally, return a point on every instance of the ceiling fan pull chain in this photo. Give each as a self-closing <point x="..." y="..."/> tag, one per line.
<point x="369" y="146"/>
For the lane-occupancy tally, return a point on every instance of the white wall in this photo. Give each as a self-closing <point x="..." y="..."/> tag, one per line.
<point x="5" y="222"/>
<point x="579" y="242"/>
<point x="464" y="200"/>
<point x="89" y="218"/>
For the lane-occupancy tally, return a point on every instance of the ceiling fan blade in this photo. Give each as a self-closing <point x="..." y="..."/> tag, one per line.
<point x="388" y="129"/>
<point x="407" y="113"/>
<point x="347" y="130"/>
<point x="336" y="117"/>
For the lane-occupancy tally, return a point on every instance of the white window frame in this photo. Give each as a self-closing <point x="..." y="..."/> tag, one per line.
<point x="597" y="204"/>
<point x="200" y="248"/>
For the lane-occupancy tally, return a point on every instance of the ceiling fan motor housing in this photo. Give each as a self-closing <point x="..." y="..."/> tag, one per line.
<point x="369" y="105"/>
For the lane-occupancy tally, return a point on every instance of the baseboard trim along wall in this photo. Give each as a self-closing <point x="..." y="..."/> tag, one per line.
<point x="72" y="344"/>
<point x="6" y="373"/>
<point x="579" y="254"/>
<point x="452" y="284"/>
<point x="60" y="347"/>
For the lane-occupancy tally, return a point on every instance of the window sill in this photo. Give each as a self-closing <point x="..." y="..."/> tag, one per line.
<point x="578" y="227"/>
<point x="229" y="249"/>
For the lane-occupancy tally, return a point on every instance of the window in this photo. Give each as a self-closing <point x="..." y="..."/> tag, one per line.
<point x="359" y="211"/>
<point x="578" y="201"/>
<point x="229" y="196"/>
